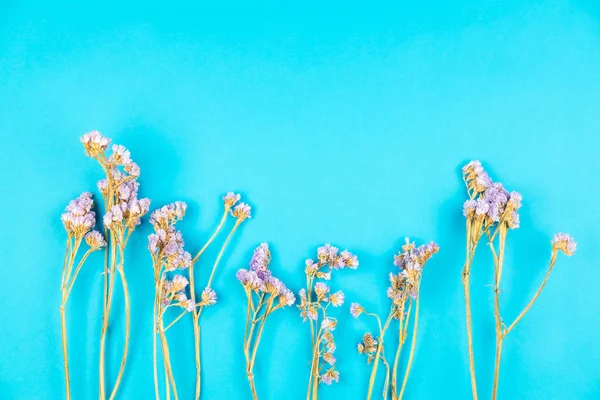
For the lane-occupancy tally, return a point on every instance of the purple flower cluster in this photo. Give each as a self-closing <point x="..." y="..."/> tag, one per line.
<point x="475" y="176"/>
<point x="174" y="290"/>
<point x="79" y="217"/>
<point x="411" y="261"/>
<point x="120" y="187"/>
<point x="167" y="244"/>
<point x="414" y="258"/>
<point x="259" y="278"/>
<point x="565" y="243"/>
<point x="492" y="202"/>
<point x="330" y="255"/>
<point x="168" y="215"/>
<point x="95" y="240"/>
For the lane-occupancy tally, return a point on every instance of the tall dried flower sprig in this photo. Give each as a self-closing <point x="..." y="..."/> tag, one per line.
<point x="78" y="220"/>
<point x="166" y="246"/>
<point x="404" y="288"/>
<point x="492" y="211"/>
<point x="265" y="294"/>
<point x="315" y="302"/>
<point x="123" y="212"/>
<point x="241" y="212"/>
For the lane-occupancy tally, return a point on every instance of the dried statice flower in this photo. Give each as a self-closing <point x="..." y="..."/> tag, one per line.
<point x="166" y="246"/>
<point x="95" y="240"/>
<point x="271" y="294"/>
<point x="123" y="213"/>
<point x="241" y="211"/>
<point x="209" y="297"/>
<point x="314" y="303"/>
<point x="565" y="243"/>
<point x="403" y="293"/>
<point x="94" y="144"/>
<point x="330" y="376"/>
<point x="492" y="211"/>
<point x="230" y="199"/>
<point x="79" y="218"/>
<point x="356" y="309"/>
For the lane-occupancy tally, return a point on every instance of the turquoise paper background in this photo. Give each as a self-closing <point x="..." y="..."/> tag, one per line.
<point x="346" y="123"/>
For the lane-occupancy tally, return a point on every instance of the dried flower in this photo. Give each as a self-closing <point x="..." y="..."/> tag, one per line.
<point x="79" y="218"/>
<point x="94" y="143"/>
<point x="241" y="212"/>
<point x="565" y="243"/>
<point x="230" y="199"/>
<point x="321" y="290"/>
<point x="337" y="298"/>
<point x="95" y="240"/>
<point x="328" y="324"/>
<point x="209" y="297"/>
<point x="356" y="309"/>
<point x="330" y="376"/>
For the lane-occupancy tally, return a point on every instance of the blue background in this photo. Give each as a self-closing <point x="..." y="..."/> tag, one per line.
<point x="345" y="124"/>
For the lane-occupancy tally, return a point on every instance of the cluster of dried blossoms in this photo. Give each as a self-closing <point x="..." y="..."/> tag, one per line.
<point x="123" y="212"/>
<point x="166" y="246"/>
<point x="79" y="221"/>
<point x="404" y="288"/>
<point x="315" y="300"/>
<point x="265" y="294"/>
<point x="491" y="211"/>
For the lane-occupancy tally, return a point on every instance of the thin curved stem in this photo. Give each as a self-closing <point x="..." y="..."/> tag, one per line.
<point x="213" y="236"/>
<point x="377" y="356"/>
<point x="535" y="296"/>
<point x="72" y="280"/>
<point x="220" y="255"/>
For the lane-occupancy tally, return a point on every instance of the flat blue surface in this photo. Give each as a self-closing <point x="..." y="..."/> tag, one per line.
<point x="345" y="124"/>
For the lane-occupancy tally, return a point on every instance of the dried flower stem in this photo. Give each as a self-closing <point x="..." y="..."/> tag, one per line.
<point x="412" y="346"/>
<point x="106" y="313"/>
<point x="127" y="323"/>
<point x="401" y="339"/>
<point x="198" y="311"/>
<point x="535" y="296"/>
<point x="379" y="353"/>
<point x="466" y="280"/>
<point x="248" y="336"/>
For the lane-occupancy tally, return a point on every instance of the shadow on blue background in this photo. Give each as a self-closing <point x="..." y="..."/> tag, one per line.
<point x="340" y="125"/>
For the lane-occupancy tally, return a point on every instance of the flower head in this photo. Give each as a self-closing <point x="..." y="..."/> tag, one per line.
<point x="337" y="299"/>
<point x="260" y="261"/>
<point x="321" y="290"/>
<point x="565" y="243"/>
<point x="79" y="217"/>
<point x="330" y="376"/>
<point x="94" y="143"/>
<point x="356" y="309"/>
<point x="241" y="212"/>
<point x="95" y="240"/>
<point x="328" y="324"/>
<point x="209" y="297"/>
<point x="230" y="199"/>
